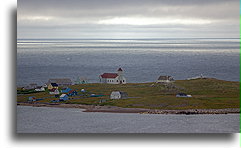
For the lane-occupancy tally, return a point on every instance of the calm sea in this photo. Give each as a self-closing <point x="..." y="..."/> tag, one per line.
<point x="67" y="120"/>
<point x="143" y="60"/>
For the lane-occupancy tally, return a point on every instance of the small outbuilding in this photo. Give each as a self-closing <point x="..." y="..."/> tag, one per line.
<point x="39" y="88"/>
<point x="45" y="86"/>
<point x="94" y="95"/>
<point x="32" y="98"/>
<point x="66" y="90"/>
<point x="81" y="80"/>
<point x="165" y="79"/>
<point x="183" y="95"/>
<point x="118" y="95"/>
<point x="63" y="97"/>
<point x="72" y="93"/>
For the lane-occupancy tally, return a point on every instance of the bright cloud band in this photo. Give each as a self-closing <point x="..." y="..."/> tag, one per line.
<point x="152" y="21"/>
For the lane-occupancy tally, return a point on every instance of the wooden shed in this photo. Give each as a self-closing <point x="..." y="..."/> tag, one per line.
<point x="118" y="95"/>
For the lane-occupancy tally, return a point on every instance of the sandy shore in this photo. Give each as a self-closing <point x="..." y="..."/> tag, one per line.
<point x="114" y="109"/>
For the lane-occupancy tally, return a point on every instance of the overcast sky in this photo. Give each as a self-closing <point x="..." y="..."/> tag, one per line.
<point x="127" y="18"/>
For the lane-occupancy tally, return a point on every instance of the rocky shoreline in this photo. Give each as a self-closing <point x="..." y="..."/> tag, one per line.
<point x="115" y="109"/>
<point x="195" y="111"/>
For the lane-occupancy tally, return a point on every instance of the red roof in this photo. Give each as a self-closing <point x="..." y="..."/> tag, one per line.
<point x="53" y="90"/>
<point x="71" y="91"/>
<point x="109" y="75"/>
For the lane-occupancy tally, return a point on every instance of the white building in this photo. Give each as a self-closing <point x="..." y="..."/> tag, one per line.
<point x="165" y="79"/>
<point x="113" y="78"/>
<point x="118" y="95"/>
<point x="63" y="97"/>
<point x="40" y="88"/>
<point x="54" y="91"/>
<point x="61" y="82"/>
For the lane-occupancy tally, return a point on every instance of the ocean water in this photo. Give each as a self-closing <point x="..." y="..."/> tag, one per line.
<point x="67" y="120"/>
<point x="143" y="60"/>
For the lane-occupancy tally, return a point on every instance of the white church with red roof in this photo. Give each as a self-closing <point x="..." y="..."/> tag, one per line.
<point x="113" y="78"/>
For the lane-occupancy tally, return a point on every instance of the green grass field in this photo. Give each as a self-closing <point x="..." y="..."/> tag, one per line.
<point x="207" y="94"/>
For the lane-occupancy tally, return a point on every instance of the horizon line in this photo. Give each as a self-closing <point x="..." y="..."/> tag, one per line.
<point x="126" y="38"/>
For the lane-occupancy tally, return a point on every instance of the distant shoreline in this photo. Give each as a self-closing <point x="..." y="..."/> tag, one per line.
<point x="186" y="79"/>
<point x="115" y="109"/>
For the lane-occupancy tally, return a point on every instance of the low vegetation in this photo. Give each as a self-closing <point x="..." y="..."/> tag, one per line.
<point x="206" y="94"/>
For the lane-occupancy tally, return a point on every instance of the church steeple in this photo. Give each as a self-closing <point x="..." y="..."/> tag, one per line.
<point x="120" y="71"/>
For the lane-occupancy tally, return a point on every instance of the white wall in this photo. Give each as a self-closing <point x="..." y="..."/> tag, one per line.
<point x="112" y="81"/>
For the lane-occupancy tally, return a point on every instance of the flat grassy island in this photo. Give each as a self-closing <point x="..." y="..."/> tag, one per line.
<point x="206" y="93"/>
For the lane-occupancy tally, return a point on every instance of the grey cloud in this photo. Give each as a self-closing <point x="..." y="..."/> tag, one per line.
<point x="76" y="18"/>
<point x="215" y="9"/>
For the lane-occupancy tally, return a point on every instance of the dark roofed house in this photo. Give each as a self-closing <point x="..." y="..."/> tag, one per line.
<point x="53" y="85"/>
<point x="165" y="79"/>
<point x="61" y="82"/>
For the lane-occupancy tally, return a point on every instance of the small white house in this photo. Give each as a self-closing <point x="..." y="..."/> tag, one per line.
<point x="113" y="78"/>
<point x="54" y="91"/>
<point x="39" y="88"/>
<point x="118" y="95"/>
<point x="45" y="86"/>
<point x="63" y="97"/>
<point x="165" y="79"/>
